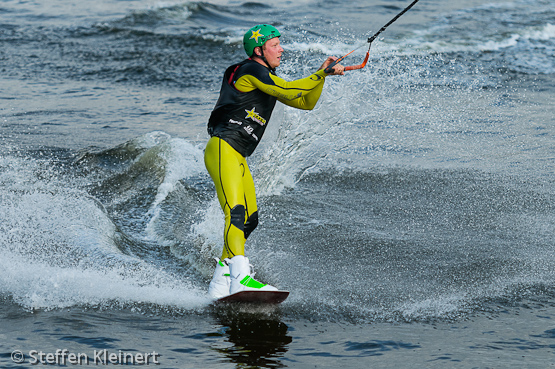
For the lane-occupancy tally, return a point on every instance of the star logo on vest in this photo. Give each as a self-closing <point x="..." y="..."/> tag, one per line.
<point x="253" y="115"/>
<point x="255" y="34"/>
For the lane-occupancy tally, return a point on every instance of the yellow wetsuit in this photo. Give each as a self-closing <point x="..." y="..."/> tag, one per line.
<point x="247" y="98"/>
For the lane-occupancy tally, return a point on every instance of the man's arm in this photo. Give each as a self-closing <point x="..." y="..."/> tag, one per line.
<point x="301" y="93"/>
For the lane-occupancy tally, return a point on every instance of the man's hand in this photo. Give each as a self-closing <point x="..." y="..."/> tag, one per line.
<point x="338" y="69"/>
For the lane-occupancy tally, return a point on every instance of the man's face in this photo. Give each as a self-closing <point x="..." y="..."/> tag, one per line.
<point x="273" y="51"/>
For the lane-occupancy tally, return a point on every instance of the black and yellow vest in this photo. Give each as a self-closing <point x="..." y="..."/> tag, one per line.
<point x="240" y="118"/>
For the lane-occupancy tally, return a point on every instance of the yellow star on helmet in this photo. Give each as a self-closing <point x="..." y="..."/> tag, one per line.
<point x="256" y="34"/>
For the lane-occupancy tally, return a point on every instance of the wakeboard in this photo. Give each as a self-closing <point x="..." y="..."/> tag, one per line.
<point x="257" y="297"/>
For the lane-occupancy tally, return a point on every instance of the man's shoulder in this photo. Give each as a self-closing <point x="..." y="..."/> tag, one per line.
<point x="252" y="67"/>
<point x="257" y="70"/>
<point x="246" y="67"/>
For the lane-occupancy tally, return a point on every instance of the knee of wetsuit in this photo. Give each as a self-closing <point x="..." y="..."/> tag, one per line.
<point x="251" y="224"/>
<point x="238" y="217"/>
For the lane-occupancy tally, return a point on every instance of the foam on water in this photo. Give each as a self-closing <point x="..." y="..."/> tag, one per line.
<point x="38" y="285"/>
<point x="498" y="42"/>
<point x="60" y="248"/>
<point x="182" y="161"/>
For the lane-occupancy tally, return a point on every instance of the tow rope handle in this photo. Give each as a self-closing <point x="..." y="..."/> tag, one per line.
<point x="329" y="69"/>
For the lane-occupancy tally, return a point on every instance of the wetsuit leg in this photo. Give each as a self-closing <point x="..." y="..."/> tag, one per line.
<point x="236" y="194"/>
<point x="251" y="210"/>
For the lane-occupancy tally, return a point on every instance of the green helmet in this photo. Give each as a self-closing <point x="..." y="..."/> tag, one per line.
<point x="257" y="36"/>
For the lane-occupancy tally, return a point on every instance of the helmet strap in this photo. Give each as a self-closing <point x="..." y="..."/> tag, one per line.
<point x="263" y="57"/>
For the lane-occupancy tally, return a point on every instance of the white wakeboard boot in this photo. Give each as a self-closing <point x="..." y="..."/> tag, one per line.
<point x="241" y="276"/>
<point x="220" y="283"/>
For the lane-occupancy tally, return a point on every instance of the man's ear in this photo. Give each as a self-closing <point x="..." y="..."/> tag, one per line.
<point x="258" y="51"/>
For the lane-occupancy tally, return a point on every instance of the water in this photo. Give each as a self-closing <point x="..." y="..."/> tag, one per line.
<point x="410" y="214"/>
